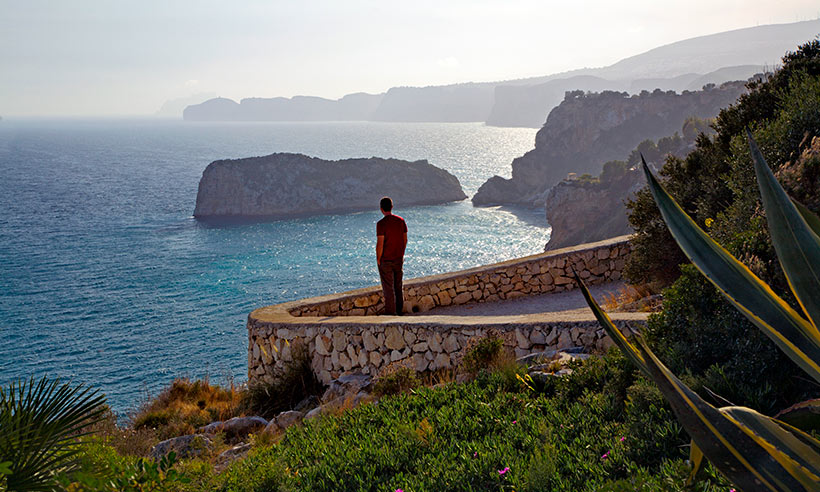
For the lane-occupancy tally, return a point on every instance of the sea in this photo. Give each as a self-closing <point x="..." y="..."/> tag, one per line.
<point x="107" y="280"/>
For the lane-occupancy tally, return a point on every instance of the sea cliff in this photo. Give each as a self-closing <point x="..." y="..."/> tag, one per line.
<point x="588" y="129"/>
<point x="581" y="212"/>
<point x="285" y="185"/>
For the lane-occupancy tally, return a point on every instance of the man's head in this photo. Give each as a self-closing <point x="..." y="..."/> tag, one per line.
<point x="386" y="204"/>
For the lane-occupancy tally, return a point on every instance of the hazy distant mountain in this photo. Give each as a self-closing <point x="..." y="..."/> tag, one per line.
<point x="449" y="103"/>
<point x="523" y="105"/>
<point x="742" y="72"/>
<point x="761" y="45"/>
<point x="173" y="108"/>
<point x="526" y="105"/>
<point x="684" y="65"/>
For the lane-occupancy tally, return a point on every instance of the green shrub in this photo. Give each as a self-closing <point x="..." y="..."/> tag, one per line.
<point x="613" y="171"/>
<point x="105" y="471"/>
<point x="486" y="353"/>
<point x="699" y="332"/>
<point x="401" y="380"/>
<point x="655" y="434"/>
<point x="610" y="375"/>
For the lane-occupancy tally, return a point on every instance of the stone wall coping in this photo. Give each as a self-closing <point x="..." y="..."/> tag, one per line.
<point x="432" y="321"/>
<point x="281" y="313"/>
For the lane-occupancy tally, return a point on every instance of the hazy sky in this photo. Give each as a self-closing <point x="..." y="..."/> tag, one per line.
<point x="110" y="57"/>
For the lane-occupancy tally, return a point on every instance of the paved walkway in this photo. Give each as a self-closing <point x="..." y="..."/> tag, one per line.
<point x="567" y="306"/>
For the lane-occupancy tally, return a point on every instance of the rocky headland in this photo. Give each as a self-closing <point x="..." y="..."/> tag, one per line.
<point x="286" y="185"/>
<point x="588" y="129"/>
<point x="583" y="209"/>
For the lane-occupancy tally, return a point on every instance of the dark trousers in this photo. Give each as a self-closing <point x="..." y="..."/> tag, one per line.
<point x="390" y="273"/>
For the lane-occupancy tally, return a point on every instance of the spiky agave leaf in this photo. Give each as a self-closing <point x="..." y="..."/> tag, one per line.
<point x="804" y="415"/>
<point x="797" y="246"/>
<point x="40" y="423"/>
<point x="752" y="450"/>
<point x="812" y="220"/>
<point x="792" y="333"/>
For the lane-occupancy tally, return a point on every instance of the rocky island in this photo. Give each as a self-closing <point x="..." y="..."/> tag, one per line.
<point x="287" y="185"/>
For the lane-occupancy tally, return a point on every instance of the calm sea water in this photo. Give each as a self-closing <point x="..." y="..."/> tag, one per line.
<point x="107" y="279"/>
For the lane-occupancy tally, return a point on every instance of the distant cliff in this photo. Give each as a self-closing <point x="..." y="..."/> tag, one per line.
<point x="586" y="130"/>
<point x="351" y="107"/>
<point x="449" y="103"/>
<point x="284" y="185"/>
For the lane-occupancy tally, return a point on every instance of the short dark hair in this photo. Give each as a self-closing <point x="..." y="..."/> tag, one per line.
<point x="386" y="204"/>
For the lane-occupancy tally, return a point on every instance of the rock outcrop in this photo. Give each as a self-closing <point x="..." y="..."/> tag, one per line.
<point x="287" y="185"/>
<point x="586" y="130"/>
<point x="189" y="446"/>
<point x="581" y="212"/>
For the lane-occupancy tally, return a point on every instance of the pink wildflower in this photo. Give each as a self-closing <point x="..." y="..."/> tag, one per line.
<point x="505" y="470"/>
<point x="605" y="456"/>
<point x="515" y="421"/>
<point x="399" y="490"/>
<point x="623" y="439"/>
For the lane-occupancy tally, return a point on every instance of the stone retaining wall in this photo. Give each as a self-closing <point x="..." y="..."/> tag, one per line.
<point x="340" y="338"/>
<point x="598" y="262"/>
<point x="336" y="350"/>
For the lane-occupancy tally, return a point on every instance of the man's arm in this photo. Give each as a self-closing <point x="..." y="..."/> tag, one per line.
<point x="380" y="249"/>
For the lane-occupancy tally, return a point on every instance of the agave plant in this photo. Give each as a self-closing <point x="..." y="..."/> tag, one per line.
<point x="752" y="450"/>
<point x="40" y="426"/>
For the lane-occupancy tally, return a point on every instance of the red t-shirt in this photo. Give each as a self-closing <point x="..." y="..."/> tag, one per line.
<point x="393" y="228"/>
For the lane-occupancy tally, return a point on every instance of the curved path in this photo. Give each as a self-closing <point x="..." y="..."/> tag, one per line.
<point x="563" y="306"/>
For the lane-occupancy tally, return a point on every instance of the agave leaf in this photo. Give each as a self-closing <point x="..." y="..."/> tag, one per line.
<point x="799" y="448"/>
<point x="811" y="219"/>
<point x="743" y="456"/>
<point x="614" y="333"/>
<point x="696" y="459"/>
<point x="738" y="452"/>
<point x="797" y="246"/>
<point x="795" y="336"/>
<point x="804" y="415"/>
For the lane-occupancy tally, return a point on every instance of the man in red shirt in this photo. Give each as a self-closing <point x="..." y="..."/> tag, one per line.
<point x="391" y="239"/>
